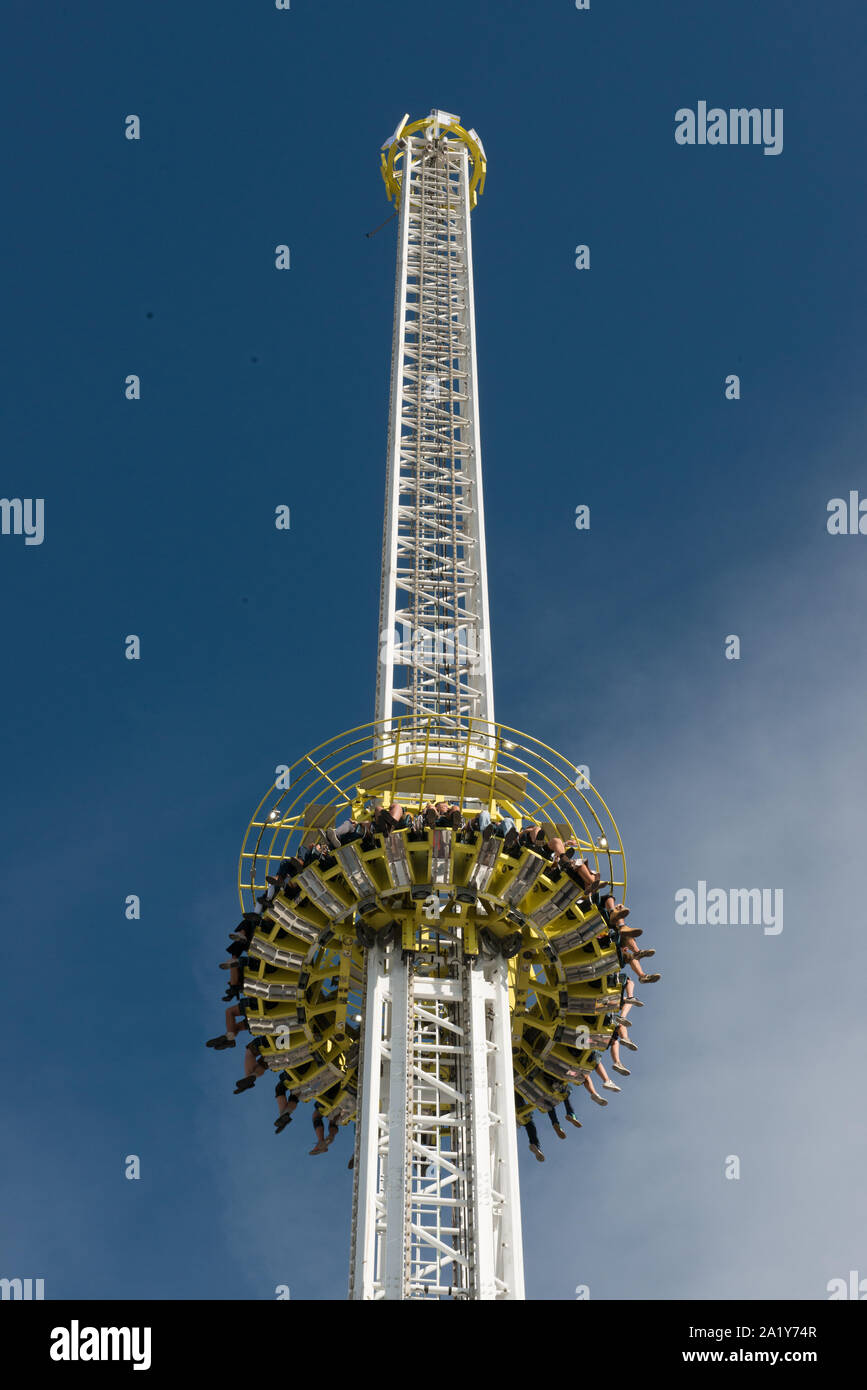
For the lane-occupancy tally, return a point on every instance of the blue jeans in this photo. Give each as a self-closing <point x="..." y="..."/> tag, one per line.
<point x="506" y="824"/>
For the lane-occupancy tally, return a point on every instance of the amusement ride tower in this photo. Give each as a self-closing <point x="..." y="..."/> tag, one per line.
<point x="426" y="973"/>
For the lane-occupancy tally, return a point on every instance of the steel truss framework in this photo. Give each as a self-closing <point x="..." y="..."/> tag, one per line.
<point x="434" y="634"/>
<point x="383" y="978"/>
<point x="480" y="979"/>
<point x="439" y="1157"/>
<point x="436" y="1210"/>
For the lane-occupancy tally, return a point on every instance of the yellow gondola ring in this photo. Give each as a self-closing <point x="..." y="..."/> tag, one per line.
<point x="304" y="977"/>
<point x="440" y="125"/>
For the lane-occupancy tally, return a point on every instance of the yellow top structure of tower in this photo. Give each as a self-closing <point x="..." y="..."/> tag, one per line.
<point x="439" y="125"/>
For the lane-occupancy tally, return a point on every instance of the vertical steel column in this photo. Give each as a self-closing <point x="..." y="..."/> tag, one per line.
<point x="396" y="1175"/>
<point x="435" y="653"/>
<point x="508" y="1240"/>
<point x="436" y="1205"/>
<point x="368" y="1215"/>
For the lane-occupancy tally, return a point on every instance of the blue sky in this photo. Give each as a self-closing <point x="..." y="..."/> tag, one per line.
<point x="604" y="387"/>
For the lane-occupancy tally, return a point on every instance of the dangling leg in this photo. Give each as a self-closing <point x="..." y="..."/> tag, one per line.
<point x="594" y="1094"/>
<point x="615" y="1056"/>
<point x="607" y="1083"/>
<point x="570" y="1113"/>
<point x="535" y="1146"/>
<point x="558" y="1130"/>
<point x="319" y="1129"/>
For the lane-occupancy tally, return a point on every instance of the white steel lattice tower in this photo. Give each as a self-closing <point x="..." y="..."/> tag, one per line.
<point x="435" y="656"/>
<point x="434" y="948"/>
<point x="436" y="1207"/>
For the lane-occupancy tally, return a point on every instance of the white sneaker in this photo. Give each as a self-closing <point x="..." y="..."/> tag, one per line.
<point x="609" y="1086"/>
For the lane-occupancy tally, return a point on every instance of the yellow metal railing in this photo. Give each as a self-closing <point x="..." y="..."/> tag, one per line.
<point x="411" y="759"/>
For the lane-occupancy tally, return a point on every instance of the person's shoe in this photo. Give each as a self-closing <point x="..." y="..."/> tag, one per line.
<point x="650" y="979"/>
<point x="282" y="1121"/>
<point x="639" y="1003"/>
<point x="573" y="1121"/>
<point x="621" y="1071"/>
<point x="455" y="818"/>
<point x="511" y="839"/>
<point x="238" y="936"/>
<point x="632" y="1047"/>
<point x="534" y="1149"/>
<point x="332" y="837"/>
<point x="430" y="817"/>
<point x="489" y="831"/>
<point x="643" y="955"/>
<point x="233" y="992"/>
<point x="598" y="1100"/>
<point x="609" y="1086"/>
<point x="227" y="964"/>
<point x="351" y="1163"/>
<point x="320" y="1149"/>
<point x="219" y="1042"/>
<point x="560" y="1132"/>
<point x="245" y="1084"/>
<point x="616" y="914"/>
